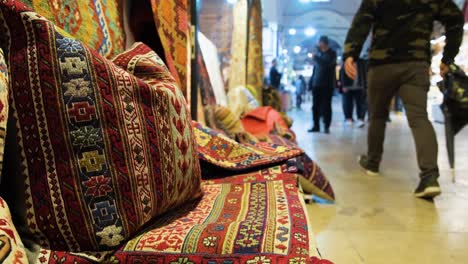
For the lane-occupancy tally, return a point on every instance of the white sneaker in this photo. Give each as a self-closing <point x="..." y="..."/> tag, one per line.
<point x="360" y="124"/>
<point x="348" y="123"/>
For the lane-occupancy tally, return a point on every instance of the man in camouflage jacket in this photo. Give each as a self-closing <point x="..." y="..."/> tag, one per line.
<point x="399" y="64"/>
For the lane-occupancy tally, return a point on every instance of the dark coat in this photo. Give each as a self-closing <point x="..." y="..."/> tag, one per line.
<point x="275" y="77"/>
<point x="324" y="76"/>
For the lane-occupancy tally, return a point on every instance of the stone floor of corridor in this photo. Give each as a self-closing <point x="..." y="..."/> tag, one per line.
<point x="376" y="219"/>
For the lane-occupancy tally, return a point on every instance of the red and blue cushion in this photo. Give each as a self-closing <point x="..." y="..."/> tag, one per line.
<point x="102" y="152"/>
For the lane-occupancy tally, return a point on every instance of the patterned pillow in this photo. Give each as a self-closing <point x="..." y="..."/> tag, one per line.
<point x="11" y="247"/>
<point x="102" y="151"/>
<point x="220" y="151"/>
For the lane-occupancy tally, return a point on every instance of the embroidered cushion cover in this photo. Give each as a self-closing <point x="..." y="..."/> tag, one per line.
<point x="11" y="247"/>
<point x="223" y="152"/>
<point x="234" y="223"/>
<point x="102" y="152"/>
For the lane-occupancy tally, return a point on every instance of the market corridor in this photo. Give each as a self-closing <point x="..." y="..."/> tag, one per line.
<point x="376" y="219"/>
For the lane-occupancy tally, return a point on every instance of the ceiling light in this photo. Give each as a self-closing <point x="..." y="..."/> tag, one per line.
<point x="309" y="55"/>
<point x="292" y="31"/>
<point x="231" y="1"/>
<point x="310" y="32"/>
<point x="285" y="51"/>
<point x="297" y="49"/>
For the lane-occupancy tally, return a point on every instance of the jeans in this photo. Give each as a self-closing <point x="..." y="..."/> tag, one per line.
<point x="353" y="98"/>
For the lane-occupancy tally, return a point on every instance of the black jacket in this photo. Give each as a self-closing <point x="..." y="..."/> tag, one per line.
<point x="275" y="77"/>
<point x="324" y="76"/>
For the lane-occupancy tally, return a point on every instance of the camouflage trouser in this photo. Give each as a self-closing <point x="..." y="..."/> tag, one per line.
<point x="411" y="82"/>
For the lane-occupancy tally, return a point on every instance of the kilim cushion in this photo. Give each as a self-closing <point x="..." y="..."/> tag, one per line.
<point x="222" y="156"/>
<point x="312" y="179"/>
<point x="98" y="23"/>
<point x="102" y="152"/>
<point x="219" y="150"/>
<point x="11" y="247"/>
<point x="236" y="223"/>
<point x="309" y="174"/>
<point x="3" y="105"/>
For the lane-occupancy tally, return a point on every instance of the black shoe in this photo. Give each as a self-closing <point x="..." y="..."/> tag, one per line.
<point x="327" y="131"/>
<point x="428" y="188"/>
<point x="314" y="130"/>
<point x="364" y="163"/>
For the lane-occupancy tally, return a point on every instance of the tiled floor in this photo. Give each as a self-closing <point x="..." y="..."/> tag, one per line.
<point x="376" y="219"/>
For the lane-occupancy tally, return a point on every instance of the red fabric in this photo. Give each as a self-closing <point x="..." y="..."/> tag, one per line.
<point x="238" y="222"/>
<point x="104" y="146"/>
<point x="261" y="121"/>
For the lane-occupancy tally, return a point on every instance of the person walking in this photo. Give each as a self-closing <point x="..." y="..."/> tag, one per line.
<point x="399" y="63"/>
<point x="322" y="85"/>
<point x="301" y="86"/>
<point x="275" y="76"/>
<point x="354" y="95"/>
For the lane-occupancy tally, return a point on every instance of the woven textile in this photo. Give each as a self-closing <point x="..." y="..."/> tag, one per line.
<point x="11" y="247"/>
<point x="255" y="67"/>
<point x="312" y="179"/>
<point x="223" y="152"/>
<point x="309" y="175"/>
<point x="98" y="23"/>
<point x="3" y="105"/>
<point x="253" y="222"/>
<point x="102" y="152"/>
<point x="172" y="23"/>
<point x="238" y="76"/>
<point x="274" y="173"/>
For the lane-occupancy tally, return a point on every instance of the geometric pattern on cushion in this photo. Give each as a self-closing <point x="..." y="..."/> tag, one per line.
<point x="223" y="152"/>
<point x="102" y="152"/>
<point x="309" y="175"/>
<point x="254" y="222"/>
<point x="3" y="105"/>
<point x="233" y="223"/>
<point x="263" y="222"/>
<point x="11" y="247"/>
<point x="312" y="179"/>
<point x="98" y="23"/>
<point x="270" y="174"/>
